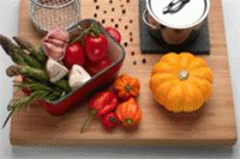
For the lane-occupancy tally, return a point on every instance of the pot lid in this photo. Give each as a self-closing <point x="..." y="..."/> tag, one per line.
<point x="178" y="14"/>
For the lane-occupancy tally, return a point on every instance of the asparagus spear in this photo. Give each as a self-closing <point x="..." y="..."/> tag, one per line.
<point x="36" y="74"/>
<point x="27" y="71"/>
<point x="17" y="54"/>
<point x="35" y="86"/>
<point x="32" y="62"/>
<point x="63" y="84"/>
<point x="36" y="53"/>
<point x="18" y="59"/>
<point x="9" y="47"/>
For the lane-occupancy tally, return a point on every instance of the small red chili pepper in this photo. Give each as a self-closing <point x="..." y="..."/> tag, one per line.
<point x="109" y="121"/>
<point x="101" y="104"/>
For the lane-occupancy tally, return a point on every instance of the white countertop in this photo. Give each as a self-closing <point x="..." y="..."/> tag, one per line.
<point x="9" y="26"/>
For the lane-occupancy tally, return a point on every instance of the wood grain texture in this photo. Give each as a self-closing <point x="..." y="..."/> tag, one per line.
<point x="213" y="125"/>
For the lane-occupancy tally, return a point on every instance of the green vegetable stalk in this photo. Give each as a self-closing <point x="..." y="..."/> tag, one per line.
<point x="7" y="45"/>
<point x="39" y="91"/>
<point x="63" y="84"/>
<point x="35" y="53"/>
<point x="33" y="73"/>
<point x="18" y="55"/>
<point x="35" y="86"/>
<point x="9" y="48"/>
<point x="30" y="61"/>
<point x="36" y="74"/>
<point x="18" y="59"/>
<point x="41" y="94"/>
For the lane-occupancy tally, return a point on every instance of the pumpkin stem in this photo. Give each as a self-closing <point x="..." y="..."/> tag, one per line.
<point x="128" y="88"/>
<point x="183" y="75"/>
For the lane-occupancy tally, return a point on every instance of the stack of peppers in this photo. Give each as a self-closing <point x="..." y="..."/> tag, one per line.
<point x="118" y="106"/>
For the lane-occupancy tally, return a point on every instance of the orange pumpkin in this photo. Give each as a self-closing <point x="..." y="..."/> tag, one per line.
<point x="181" y="82"/>
<point x="129" y="113"/>
<point x="126" y="87"/>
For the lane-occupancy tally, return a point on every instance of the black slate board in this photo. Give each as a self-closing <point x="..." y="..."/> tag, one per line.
<point x="201" y="45"/>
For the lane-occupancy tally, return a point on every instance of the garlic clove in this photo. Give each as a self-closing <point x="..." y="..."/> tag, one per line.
<point x="78" y="76"/>
<point x="55" y="70"/>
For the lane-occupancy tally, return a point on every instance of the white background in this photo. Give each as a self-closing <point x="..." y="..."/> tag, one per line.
<point x="9" y="26"/>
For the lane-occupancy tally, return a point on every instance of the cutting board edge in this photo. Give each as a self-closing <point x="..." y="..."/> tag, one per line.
<point x="230" y="142"/>
<point x="235" y="134"/>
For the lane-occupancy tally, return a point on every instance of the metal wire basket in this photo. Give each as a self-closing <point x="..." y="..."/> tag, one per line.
<point x="49" y="14"/>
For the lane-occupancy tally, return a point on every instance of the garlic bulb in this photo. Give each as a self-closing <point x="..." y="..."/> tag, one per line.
<point x="58" y="34"/>
<point x="55" y="44"/>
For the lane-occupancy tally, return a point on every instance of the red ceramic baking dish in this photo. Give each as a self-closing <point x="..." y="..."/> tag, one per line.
<point x="116" y="53"/>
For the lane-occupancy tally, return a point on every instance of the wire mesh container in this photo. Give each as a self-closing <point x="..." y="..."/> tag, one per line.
<point x="49" y="14"/>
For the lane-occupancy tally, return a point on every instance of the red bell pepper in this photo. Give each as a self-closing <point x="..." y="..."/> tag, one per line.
<point x="96" y="47"/>
<point x="95" y="68"/>
<point x="74" y="55"/>
<point x="101" y="104"/>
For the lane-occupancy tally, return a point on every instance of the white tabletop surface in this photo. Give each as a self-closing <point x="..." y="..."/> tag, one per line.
<point x="9" y="26"/>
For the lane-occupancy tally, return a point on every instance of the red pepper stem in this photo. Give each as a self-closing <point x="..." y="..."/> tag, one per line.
<point x="112" y="119"/>
<point x="93" y="30"/>
<point x="92" y="113"/>
<point x="80" y="37"/>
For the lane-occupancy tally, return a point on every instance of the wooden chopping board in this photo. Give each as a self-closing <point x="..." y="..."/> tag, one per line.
<point x="213" y="125"/>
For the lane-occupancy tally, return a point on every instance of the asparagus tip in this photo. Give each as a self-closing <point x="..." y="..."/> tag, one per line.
<point x="13" y="70"/>
<point x="7" y="44"/>
<point x="22" y="43"/>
